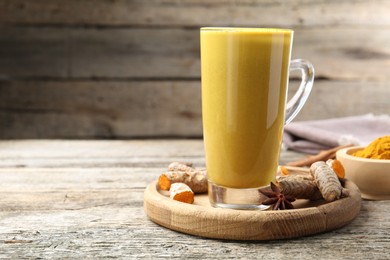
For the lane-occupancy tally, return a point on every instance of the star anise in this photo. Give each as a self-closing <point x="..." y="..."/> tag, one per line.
<point x="277" y="198"/>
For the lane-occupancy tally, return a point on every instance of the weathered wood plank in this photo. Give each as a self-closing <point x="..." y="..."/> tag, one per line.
<point x="144" y="157"/>
<point x="98" y="53"/>
<point x="345" y="98"/>
<point x="100" y="109"/>
<point x="73" y="179"/>
<point x="195" y="12"/>
<point x="99" y="149"/>
<point x="27" y="52"/>
<point x="73" y="189"/>
<point x="102" y="154"/>
<point x="137" y="53"/>
<point x="98" y="213"/>
<point x="159" y="39"/>
<point x="124" y="231"/>
<point x="96" y="109"/>
<point x="102" y="218"/>
<point x="336" y="52"/>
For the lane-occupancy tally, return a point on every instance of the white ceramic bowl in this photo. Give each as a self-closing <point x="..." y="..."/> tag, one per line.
<point x="372" y="176"/>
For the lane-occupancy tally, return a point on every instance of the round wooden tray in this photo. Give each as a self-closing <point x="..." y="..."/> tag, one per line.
<point x="201" y="219"/>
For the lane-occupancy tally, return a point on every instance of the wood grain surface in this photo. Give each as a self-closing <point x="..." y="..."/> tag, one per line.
<point x="134" y="53"/>
<point x="201" y="219"/>
<point x="195" y="12"/>
<point x="169" y="108"/>
<point x="84" y="199"/>
<point x="116" y="48"/>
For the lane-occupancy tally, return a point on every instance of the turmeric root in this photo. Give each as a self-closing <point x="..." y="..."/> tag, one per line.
<point x="337" y="167"/>
<point x="299" y="186"/>
<point x="291" y="170"/>
<point x="284" y="171"/>
<point x="327" y="181"/>
<point x="181" y="192"/>
<point x="194" y="178"/>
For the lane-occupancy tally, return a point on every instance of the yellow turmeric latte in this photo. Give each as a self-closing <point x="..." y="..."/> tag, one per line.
<point x="244" y="81"/>
<point x="378" y="149"/>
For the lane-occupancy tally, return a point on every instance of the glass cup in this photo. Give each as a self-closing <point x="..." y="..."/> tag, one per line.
<point x="245" y="74"/>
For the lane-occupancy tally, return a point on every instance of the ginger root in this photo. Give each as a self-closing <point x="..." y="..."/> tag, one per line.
<point x="299" y="186"/>
<point x="196" y="179"/>
<point x="183" y="167"/>
<point x="181" y="192"/>
<point x="327" y="181"/>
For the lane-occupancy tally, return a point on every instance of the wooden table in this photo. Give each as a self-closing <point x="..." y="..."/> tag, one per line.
<point x="68" y="199"/>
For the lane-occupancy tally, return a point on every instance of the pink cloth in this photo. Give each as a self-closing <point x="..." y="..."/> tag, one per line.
<point x="314" y="136"/>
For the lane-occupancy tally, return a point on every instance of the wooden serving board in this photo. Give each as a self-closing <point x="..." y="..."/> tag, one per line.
<point x="201" y="219"/>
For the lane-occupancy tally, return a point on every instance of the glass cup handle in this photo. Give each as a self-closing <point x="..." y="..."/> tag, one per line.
<point x="295" y="104"/>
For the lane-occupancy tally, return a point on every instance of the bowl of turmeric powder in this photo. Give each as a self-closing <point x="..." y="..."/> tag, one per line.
<point x="369" y="168"/>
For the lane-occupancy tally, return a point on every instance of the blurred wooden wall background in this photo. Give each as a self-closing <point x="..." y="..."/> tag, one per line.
<point x="130" y="68"/>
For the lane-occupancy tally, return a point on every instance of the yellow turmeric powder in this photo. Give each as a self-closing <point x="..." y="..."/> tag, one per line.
<point x="378" y="149"/>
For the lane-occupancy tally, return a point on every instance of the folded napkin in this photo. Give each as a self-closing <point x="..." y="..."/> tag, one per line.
<point x="313" y="136"/>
